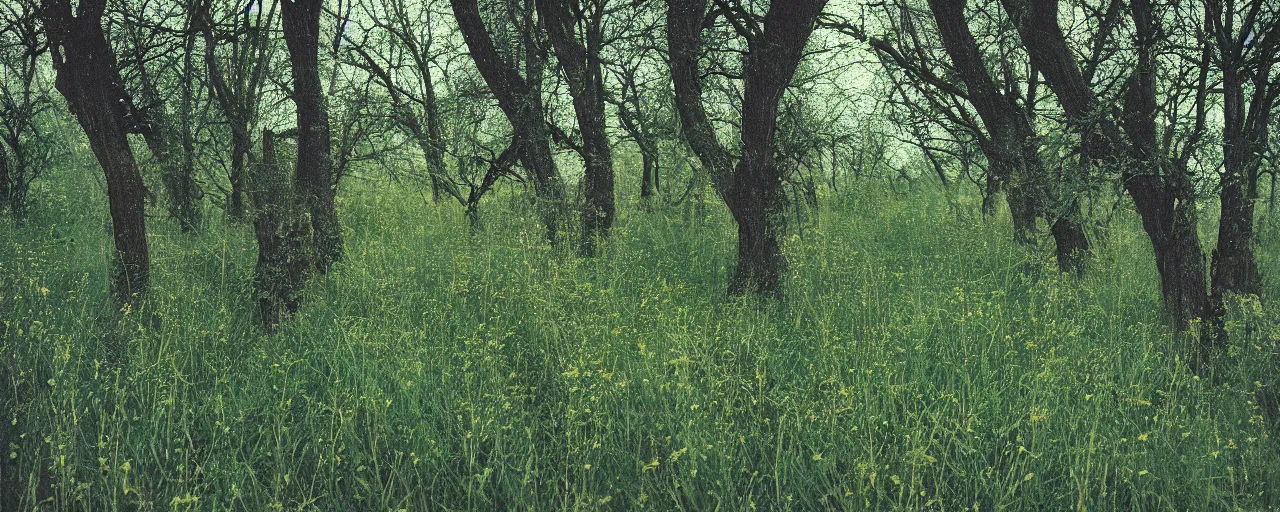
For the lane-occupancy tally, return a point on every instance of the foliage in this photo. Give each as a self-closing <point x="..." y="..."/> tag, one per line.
<point x="434" y="371"/>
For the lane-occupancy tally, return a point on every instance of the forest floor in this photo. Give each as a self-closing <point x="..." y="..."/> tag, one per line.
<point x="921" y="360"/>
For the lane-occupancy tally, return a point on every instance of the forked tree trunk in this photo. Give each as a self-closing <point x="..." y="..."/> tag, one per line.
<point x="753" y="189"/>
<point x="1246" y="119"/>
<point x="580" y="61"/>
<point x="314" y="173"/>
<point x="87" y="78"/>
<point x="1012" y="149"/>
<point x="1164" y="198"/>
<point x="522" y="105"/>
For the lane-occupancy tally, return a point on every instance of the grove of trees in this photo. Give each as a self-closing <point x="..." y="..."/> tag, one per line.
<point x="255" y="110"/>
<point x="639" y="254"/>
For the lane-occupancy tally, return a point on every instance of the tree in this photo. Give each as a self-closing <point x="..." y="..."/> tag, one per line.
<point x="754" y="190"/>
<point x="943" y="84"/>
<point x="578" y="55"/>
<point x="1010" y="142"/>
<point x="1246" y="39"/>
<point x="314" y="172"/>
<point x="88" y="78"/>
<point x="401" y="61"/>
<point x="1164" y="198"/>
<point x="148" y="69"/>
<point x="641" y="118"/>
<point x="520" y="98"/>
<point x="282" y="232"/>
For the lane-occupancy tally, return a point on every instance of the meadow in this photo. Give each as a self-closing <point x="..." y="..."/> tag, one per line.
<point x="921" y="361"/>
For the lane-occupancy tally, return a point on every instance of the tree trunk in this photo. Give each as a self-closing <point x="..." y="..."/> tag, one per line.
<point x="759" y="203"/>
<point x="282" y="232"/>
<point x="152" y="124"/>
<point x="1072" y="246"/>
<point x="313" y="176"/>
<point x="241" y="150"/>
<point x="629" y="118"/>
<point x="582" y="69"/>
<point x="1166" y="206"/>
<point x="1246" y="122"/>
<point x="649" y="176"/>
<point x="6" y="194"/>
<point x="15" y="179"/>
<point x="684" y="42"/>
<point x="522" y="105"/>
<point x="87" y="78"/>
<point x="184" y="194"/>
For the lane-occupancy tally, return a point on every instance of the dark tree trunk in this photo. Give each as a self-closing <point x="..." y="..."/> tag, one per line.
<point x="1166" y="204"/>
<point x="282" y="231"/>
<point x="314" y="173"/>
<point x="87" y="78"/>
<point x="241" y="151"/>
<point x="1023" y="210"/>
<point x="582" y="69"/>
<point x="15" y="180"/>
<point x="1246" y="121"/>
<point x="759" y="202"/>
<point x="684" y="42"/>
<point x="1072" y="245"/>
<point x="522" y="105"/>
<point x="649" y="174"/>
<point x="6" y="193"/>
<point x="1012" y="149"/>
<point x="1165" y="200"/>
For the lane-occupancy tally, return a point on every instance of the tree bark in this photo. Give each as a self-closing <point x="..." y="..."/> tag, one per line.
<point x="522" y="105"/>
<point x="314" y="173"/>
<point x="87" y="78"/>
<point x="759" y="203"/>
<point x="6" y="194"/>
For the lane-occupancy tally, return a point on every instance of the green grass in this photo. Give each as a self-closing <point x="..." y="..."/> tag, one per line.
<point x="921" y="361"/>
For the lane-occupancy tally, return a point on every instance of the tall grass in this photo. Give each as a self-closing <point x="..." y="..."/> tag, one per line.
<point x="921" y="361"/>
